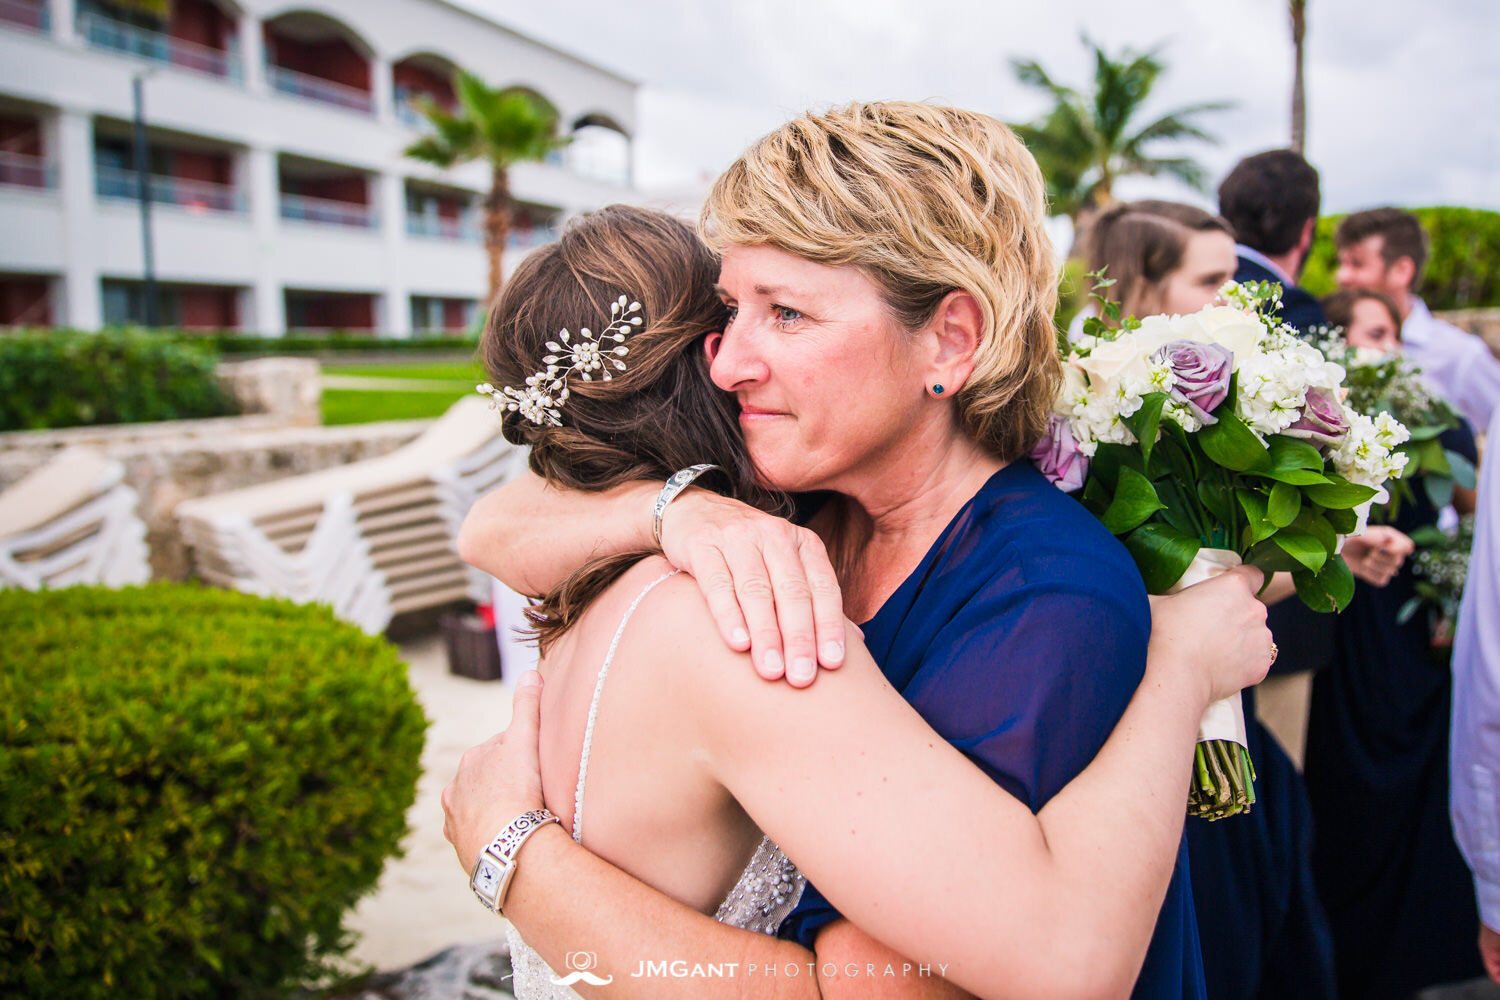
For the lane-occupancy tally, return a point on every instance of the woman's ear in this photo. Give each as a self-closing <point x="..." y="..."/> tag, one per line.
<point x="711" y="344"/>
<point x="958" y="326"/>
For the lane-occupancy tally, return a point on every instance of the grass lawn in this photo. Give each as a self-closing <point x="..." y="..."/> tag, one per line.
<point x="458" y="371"/>
<point x="351" y="406"/>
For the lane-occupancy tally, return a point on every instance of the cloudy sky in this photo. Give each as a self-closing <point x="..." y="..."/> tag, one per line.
<point x="1402" y="100"/>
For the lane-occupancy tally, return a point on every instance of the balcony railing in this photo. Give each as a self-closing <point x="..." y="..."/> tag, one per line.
<point x="313" y="88"/>
<point x="19" y="170"/>
<point x="328" y="212"/>
<point x="31" y="14"/>
<point x="179" y="192"/>
<point x="117" y="36"/>
<point x="464" y="230"/>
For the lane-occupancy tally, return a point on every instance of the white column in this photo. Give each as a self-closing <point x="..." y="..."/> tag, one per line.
<point x="75" y="168"/>
<point x="64" y="15"/>
<point x="253" y="52"/>
<point x="382" y="89"/>
<point x="268" y="313"/>
<point x="392" y="201"/>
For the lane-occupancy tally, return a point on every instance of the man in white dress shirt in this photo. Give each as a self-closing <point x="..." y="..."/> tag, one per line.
<point x="1386" y="249"/>
<point x="1475" y="740"/>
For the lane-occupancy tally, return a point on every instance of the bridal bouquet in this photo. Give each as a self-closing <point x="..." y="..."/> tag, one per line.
<point x="1212" y="439"/>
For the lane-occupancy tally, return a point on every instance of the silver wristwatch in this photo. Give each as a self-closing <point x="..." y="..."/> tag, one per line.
<point x="497" y="862"/>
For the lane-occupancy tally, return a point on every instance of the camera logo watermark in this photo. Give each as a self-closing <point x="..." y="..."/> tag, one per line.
<point x="582" y="964"/>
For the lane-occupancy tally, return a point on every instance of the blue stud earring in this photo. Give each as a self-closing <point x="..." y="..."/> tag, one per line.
<point x="937" y="390"/>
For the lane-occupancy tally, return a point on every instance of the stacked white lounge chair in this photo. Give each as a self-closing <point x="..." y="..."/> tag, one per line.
<point x="72" y="521"/>
<point x="373" y="539"/>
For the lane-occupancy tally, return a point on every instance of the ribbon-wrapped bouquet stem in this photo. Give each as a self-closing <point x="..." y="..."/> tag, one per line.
<point x="1211" y="439"/>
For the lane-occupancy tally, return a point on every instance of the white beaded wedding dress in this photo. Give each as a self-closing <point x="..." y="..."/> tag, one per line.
<point x="766" y="893"/>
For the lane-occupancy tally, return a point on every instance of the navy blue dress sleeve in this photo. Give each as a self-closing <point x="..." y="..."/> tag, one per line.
<point x="1021" y="639"/>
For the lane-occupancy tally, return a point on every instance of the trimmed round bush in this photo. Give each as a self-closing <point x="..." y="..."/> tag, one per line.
<point x="70" y="378"/>
<point x="195" y="786"/>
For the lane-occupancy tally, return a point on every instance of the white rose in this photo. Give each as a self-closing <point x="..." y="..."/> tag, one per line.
<point x="1223" y="325"/>
<point x="1111" y="360"/>
<point x="1075" y="387"/>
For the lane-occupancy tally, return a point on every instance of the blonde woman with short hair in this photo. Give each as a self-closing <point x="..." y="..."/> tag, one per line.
<point x="886" y="289"/>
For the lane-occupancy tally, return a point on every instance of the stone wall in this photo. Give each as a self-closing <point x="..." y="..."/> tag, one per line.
<point x="286" y="387"/>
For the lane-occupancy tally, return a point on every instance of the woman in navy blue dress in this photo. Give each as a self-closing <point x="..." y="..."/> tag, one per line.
<point x="1398" y="893"/>
<point x="995" y="604"/>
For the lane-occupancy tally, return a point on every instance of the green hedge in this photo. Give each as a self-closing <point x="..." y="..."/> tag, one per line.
<point x="333" y="343"/>
<point x="1463" y="266"/>
<point x="70" y="378"/>
<point x="195" y="786"/>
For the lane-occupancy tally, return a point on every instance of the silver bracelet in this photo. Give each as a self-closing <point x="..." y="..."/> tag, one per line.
<point x="497" y="862"/>
<point x="678" y="482"/>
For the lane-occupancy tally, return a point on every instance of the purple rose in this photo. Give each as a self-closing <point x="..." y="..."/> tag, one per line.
<point x="1322" y="421"/>
<point x="1058" y="457"/>
<point x="1202" y="372"/>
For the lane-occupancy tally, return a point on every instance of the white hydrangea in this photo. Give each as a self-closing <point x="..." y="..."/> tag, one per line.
<point x="1365" y="456"/>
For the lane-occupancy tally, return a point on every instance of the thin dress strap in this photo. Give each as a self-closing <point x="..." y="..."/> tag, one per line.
<point x="588" y="733"/>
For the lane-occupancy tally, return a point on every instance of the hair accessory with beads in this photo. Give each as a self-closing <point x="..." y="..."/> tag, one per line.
<point x="547" y="390"/>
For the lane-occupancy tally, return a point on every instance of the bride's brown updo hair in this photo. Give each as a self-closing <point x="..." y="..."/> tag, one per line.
<point x="661" y="414"/>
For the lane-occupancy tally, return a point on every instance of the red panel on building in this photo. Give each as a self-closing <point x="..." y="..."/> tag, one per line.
<point x="24" y="301"/>
<point x="213" y="168"/>
<point x="20" y="136"/>
<point x="420" y="80"/>
<point x="207" y="308"/>
<point x="335" y="59"/>
<point x="202" y="23"/>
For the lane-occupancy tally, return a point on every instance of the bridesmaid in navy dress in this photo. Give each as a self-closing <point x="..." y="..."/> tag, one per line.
<point x="1397" y="891"/>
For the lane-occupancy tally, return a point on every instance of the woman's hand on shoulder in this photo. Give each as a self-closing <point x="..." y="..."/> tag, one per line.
<point x="769" y="584"/>
<point x="1217" y="630"/>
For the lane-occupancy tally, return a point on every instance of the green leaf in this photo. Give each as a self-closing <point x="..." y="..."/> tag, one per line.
<point x="1218" y="500"/>
<point x="1297" y="477"/>
<point x="1429" y="535"/>
<point x="1143" y="423"/>
<point x="1095" y="496"/>
<point x="1135" y="500"/>
<point x="1162" y="554"/>
<point x="1439" y="489"/>
<point x="1233" y="445"/>
<point x="1284" y="505"/>
<point x="1342" y="521"/>
<point x="1328" y="590"/>
<point x="1291" y="453"/>
<point x="1304" y="548"/>
<point x="1110" y="458"/>
<point x="1338" y="494"/>
<point x="1420" y="434"/>
<point x="1309" y="521"/>
<point x="1257" y="524"/>
<point x="1463" y="470"/>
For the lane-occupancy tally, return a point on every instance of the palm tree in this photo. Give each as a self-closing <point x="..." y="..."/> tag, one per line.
<point x="1085" y="143"/>
<point x="501" y="127"/>
<point x="1299" y="97"/>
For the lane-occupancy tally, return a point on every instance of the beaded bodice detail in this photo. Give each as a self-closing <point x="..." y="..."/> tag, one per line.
<point x="766" y="893"/>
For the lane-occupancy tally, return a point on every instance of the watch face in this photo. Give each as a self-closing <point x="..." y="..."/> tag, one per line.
<point x="487" y="877"/>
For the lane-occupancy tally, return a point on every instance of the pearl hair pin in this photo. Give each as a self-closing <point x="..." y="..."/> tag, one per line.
<point x="547" y="390"/>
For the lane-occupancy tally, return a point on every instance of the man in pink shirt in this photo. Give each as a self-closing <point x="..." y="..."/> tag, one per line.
<point x="1386" y="249"/>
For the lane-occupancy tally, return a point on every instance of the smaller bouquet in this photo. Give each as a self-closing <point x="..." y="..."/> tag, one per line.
<point x="1441" y="568"/>
<point x="1212" y="439"/>
<point x="1388" y="383"/>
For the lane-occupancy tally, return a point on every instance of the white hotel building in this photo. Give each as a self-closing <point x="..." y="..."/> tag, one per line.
<point x="280" y="196"/>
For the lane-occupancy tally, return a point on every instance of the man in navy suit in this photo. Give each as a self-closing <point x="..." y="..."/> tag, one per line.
<point x="1264" y="933"/>
<point x="1271" y="199"/>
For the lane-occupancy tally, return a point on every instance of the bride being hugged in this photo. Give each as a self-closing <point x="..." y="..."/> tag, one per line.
<point x="1002" y="797"/>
